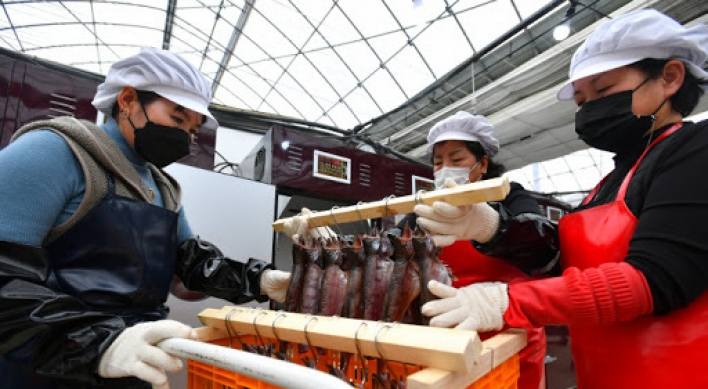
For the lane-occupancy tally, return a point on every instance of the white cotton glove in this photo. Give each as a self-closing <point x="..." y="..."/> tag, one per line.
<point x="299" y="225"/>
<point x="448" y="223"/>
<point x="477" y="307"/>
<point x="134" y="354"/>
<point x="274" y="283"/>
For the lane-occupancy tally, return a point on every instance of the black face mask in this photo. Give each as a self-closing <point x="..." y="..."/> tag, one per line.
<point x="609" y="124"/>
<point x="160" y="145"/>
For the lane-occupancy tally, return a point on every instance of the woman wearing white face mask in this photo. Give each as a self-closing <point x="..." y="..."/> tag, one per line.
<point x="504" y="242"/>
<point x="462" y="147"/>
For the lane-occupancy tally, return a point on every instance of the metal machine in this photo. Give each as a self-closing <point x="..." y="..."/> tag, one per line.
<point x="320" y="173"/>
<point x="297" y="162"/>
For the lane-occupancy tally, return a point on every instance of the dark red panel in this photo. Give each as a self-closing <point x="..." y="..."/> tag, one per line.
<point x="372" y="176"/>
<point x="31" y="91"/>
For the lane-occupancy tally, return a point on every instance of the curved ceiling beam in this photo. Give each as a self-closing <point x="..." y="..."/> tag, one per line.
<point x="169" y="21"/>
<point x="229" y="50"/>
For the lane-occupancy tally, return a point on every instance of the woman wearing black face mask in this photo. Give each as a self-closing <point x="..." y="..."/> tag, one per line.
<point x="633" y="290"/>
<point x="157" y="143"/>
<point x="93" y="236"/>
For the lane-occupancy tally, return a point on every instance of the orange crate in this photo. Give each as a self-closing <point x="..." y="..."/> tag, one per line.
<point x="205" y="376"/>
<point x="504" y="376"/>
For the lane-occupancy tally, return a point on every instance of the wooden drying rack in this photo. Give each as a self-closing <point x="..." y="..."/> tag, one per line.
<point x="453" y="358"/>
<point x="494" y="189"/>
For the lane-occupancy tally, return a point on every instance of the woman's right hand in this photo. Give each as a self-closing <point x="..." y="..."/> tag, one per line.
<point x="134" y="352"/>
<point x="300" y="225"/>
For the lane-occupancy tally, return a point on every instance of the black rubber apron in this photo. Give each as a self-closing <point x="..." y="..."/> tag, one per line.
<point x="119" y="258"/>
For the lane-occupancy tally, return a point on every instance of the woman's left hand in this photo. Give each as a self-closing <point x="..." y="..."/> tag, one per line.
<point x="477" y="307"/>
<point x="448" y="223"/>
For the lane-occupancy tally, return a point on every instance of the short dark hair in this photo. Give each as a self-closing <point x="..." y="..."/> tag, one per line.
<point x="686" y="98"/>
<point x="144" y="97"/>
<point x="493" y="169"/>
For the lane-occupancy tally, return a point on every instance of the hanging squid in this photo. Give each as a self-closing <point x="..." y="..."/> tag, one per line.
<point x="377" y="273"/>
<point x="405" y="282"/>
<point x="354" y="262"/>
<point x="312" y="280"/>
<point x="297" y="276"/>
<point x="334" y="281"/>
<point x="431" y="268"/>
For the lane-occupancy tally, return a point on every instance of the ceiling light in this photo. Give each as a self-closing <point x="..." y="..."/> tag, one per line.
<point x="561" y="31"/>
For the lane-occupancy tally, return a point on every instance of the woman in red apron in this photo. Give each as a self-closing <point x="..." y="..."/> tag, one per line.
<point x="510" y="244"/>
<point x="634" y="253"/>
<point x="514" y="244"/>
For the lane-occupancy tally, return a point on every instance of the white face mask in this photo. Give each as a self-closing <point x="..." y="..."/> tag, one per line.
<point x="461" y="175"/>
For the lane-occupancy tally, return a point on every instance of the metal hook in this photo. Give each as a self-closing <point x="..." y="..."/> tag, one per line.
<point x="376" y="345"/>
<point x="309" y="218"/>
<point x="419" y="200"/>
<point x="365" y="372"/>
<point x="272" y="324"/>
<point x="309" y="344"/>
<point x="419" y="196"/>
<point x="386" y="204"/>
<point x="283" y="348"/>
<point x="231" y="337"/>
<point x="366" y="226"/>
<point x="385" y="213"/>
<point x="317" y="228"/>
<point x="228" y="327"/>
<point x="255" y="328"/>
<point x="356" y="342"/>
<point x="336" y="223"/>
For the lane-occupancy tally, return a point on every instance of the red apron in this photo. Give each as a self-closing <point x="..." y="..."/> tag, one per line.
<point x="667" y="351"/>
<point x="469" y="266"/>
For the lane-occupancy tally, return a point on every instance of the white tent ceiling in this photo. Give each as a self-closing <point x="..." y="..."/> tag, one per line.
<point x="339" y="63"/>
<point x="379" y="70"/>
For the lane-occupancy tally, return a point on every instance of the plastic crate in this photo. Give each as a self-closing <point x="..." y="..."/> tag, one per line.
<point x="205" y="376"/>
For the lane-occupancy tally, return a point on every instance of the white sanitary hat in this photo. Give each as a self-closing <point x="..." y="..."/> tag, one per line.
<point x="632" y="37"/>
<point x="162" y="72"/>
<point x="465" y="127"/>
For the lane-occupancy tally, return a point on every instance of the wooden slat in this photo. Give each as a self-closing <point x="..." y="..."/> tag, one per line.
<point x="207" y="334"/>
<point x="494" y="189"/>
<point x="495" y="351"/>
<point x="447" y="349"/>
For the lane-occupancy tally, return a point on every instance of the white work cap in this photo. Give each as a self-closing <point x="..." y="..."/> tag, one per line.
<point x="465" y="127"/>
<point x="162" y="72"/>
<point x="635" y="36"/>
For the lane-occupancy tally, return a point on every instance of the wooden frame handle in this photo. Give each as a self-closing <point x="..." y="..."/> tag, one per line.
<point x="442" y="348"/>
<point x="494" y="189"/>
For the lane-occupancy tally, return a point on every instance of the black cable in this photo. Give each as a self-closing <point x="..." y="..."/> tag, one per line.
<point x="571" y="9"/>
<point x="235" y="168"/>
<point x="590" y="7"/>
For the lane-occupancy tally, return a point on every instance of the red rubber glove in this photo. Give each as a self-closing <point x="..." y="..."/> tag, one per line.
<point x="613" y="292"/>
